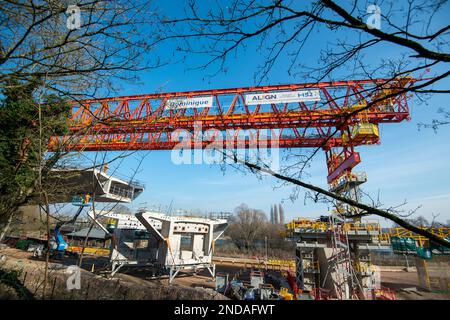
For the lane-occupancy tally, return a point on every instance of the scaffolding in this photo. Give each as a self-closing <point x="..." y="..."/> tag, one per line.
<point x="345" y="281"/>
<point x="307" y="268"/>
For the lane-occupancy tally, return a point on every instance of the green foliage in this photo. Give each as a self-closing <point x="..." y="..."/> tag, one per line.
<point x="10" y="278"/>
<point x="20" y="138"/>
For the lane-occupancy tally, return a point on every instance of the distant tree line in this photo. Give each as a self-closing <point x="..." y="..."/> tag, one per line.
<point x="250" y="231"/>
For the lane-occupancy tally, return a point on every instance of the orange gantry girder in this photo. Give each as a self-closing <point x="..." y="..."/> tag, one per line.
<point x="240" y="117"/>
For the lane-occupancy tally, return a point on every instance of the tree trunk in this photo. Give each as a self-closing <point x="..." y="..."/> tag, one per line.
<point x="5" y="229"/>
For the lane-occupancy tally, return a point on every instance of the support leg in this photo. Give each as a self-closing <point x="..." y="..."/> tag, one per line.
<point x="212" y="270"/>
<point x="173" y="273"/>
<point x="115" y="268"/>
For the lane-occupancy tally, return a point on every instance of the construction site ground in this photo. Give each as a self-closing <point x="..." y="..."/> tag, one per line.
<point x="94" y="286"/>
<point x="404" y="283"/>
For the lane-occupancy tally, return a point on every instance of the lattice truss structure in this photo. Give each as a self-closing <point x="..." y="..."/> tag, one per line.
<point x="333" y="120"/>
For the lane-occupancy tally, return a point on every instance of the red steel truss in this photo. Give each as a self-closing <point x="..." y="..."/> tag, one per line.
<point x="145" y="122"/>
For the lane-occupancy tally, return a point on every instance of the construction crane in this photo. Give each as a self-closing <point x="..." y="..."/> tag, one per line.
<point x="333" y="116"/>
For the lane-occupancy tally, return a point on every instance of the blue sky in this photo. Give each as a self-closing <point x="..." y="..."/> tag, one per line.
<point x="409" y="165"/>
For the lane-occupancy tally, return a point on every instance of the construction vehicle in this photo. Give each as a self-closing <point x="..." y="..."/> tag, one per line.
<point x="58" y="245"/>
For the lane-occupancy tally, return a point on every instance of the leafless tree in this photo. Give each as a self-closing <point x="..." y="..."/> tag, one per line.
<point x="73" y="50"/>
<point x="287" y="29"/>
<point x="248" y="225"/>
<point x="78" y="51"/>
<point x="414" y="32"/>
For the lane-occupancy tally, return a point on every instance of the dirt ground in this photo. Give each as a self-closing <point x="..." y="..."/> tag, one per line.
<point x="404" y="283"/>
<point x="94" y="286"/>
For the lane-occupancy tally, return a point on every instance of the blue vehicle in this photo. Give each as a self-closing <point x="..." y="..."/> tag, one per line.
<point x="60" y="245"/>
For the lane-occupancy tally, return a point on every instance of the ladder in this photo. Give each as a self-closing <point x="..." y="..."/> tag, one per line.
<point x="345" y="280"/>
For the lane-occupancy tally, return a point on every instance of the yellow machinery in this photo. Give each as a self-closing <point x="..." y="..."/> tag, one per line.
<point x="362" y="131"/>
<point x="89" y="250"/>
<point x="284" y="293"/>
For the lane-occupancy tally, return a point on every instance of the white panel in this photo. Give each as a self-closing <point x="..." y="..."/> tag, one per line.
<point x="282" y="97"/>
<point x="184" y="103"/>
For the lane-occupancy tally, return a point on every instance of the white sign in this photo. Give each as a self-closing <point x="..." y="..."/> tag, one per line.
<point x="202" y="102"/>
<point x="280" y="97"/>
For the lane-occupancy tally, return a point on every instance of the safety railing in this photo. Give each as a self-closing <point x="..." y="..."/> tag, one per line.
<point x="401" y="232"/>
<point x="323" y="226"/>
<point x="362" y="227"/>
<point x="281" y="263"/>
<point x="421" y="241"/>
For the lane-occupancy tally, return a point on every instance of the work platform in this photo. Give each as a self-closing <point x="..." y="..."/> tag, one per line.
<point x="64" y="183"/>
<point x="348" y="181"/>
